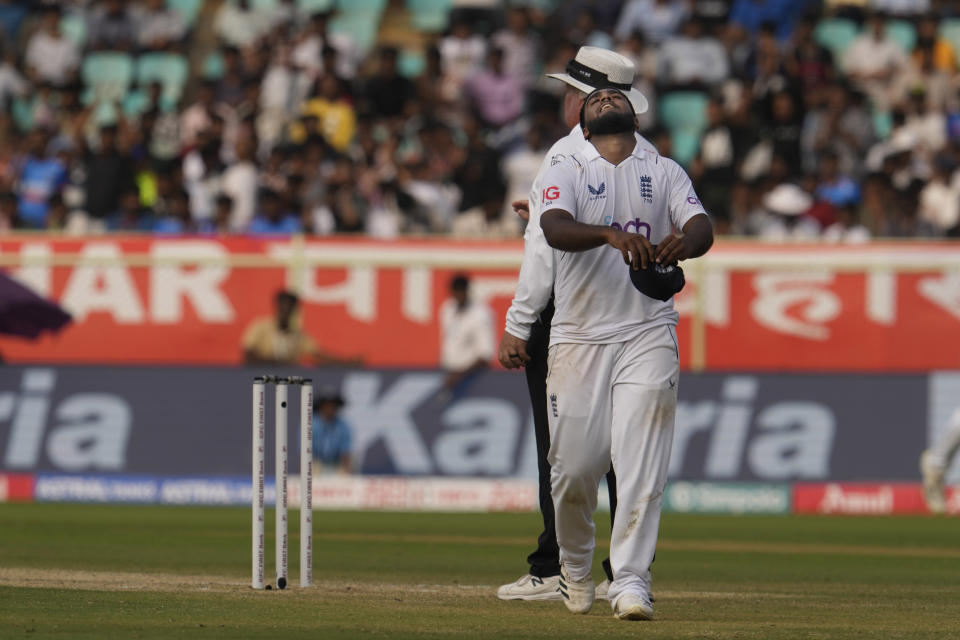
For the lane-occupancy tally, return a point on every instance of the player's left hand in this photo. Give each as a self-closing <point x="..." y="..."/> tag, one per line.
<point x="671" y="249"/>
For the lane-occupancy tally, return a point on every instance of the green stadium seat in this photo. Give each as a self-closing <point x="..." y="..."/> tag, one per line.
<point x="372" y="6"/>
<point x="263" y="4"/>
<point x="950" y="30"/>
<point x="683" y="110"/>
<point x="22" y="113"/>
<point x="684" y="113"/>
<point x="882" y="124"/>
<point x="431" y="16"/>
<point x="836" y="34"/>
<point x="170" y="69"/>
<point x="107" y="75"/>
<point x="411" y="63"/>
<point x="74" y="27"/>
<point x="902" y="32"/>
<point x="362" y="26"/>
<point x="134" y="103"/>
<point x="188" y="9"/>
<point x="684" y="145"/>
<point x="315" y="6"/>
<point x="214" y="66"/>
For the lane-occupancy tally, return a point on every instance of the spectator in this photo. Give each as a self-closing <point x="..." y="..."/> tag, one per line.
<point x="131" y="215"/>
<point x="111" y="26"/>
<point x="177" y="219"/>
<point x="332" y="112"/>
<point x="387" y="94"/>
<point x="279" y="340"/>
<point x="873" y="61"/>
<point x="838" y="121"/>
<point x="466" y="336"/>
<point x="785" y="207"/>
<point x="751" y="15"/>
<point x="332" y="435"/>
<point x="940" y="200"/>
<point x="12" y="83"/>
<point x="158" y="27"/>
<point x="901" y="8"/>
<point x="240" y="184"/>
<point x="238" y="24"/>
<point x="807" y="62"/>
<point x="838" y="189"/>
<point x="692" y="59"/>
<point x="41" y="177"/>
<point x="50" y="56"/>
<point x="273" y="217"/>
<point x="657" y="19"/>
<point x="9" y="220"/>
<point x="520" y="45"/>
<point x="496" y="95"/>
<point x="461" y="55"/>
<point x="108" y="174"/>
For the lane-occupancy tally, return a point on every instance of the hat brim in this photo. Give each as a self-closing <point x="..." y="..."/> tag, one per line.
<point x="637" y="99"/>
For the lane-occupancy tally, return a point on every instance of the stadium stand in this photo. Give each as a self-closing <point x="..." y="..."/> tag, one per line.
<point x="360" y="115"/>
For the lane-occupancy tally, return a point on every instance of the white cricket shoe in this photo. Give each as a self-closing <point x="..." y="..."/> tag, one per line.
<point x="933" y="489"/>
<point x="633" y="607"/>
<point x="600" y="593"/>
<point x="530" y="587"/>
<point x="577" y="595"/>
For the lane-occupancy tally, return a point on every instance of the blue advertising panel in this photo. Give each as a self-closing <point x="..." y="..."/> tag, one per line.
<point x="196" y="422"/>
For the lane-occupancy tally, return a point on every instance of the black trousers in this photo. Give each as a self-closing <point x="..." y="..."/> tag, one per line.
<point x="545" y="559"/>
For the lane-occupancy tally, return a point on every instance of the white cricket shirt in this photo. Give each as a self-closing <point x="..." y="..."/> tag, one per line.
<point x="535" y="283"/>
<point x="646" y="193"/>
<point x="466" y="334"/>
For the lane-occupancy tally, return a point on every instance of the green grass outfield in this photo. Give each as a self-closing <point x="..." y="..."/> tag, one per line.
<point x="78" y="571"/>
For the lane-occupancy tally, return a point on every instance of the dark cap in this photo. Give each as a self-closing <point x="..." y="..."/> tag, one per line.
<point x="327" y="395"/>
<point x="658" y="281"/>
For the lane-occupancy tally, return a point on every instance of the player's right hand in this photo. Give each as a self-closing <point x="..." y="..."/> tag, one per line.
<point x="513" y="351"/>
<point x="635" y="248"/>
<point x="521" y="208"/>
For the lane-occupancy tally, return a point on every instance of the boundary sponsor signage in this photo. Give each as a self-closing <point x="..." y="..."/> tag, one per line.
<point x="185" y="422"/>
<point x="866" y="499"/>
<point x="189" y="300"/>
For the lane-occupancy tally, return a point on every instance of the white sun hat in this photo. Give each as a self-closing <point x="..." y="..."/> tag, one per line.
<point x="596" y="68"/>
<point x="788" y="200"/>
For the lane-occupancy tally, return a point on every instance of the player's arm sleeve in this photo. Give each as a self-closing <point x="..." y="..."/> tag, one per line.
<point x="535" y="284"/>
<point x="684" y="203"/>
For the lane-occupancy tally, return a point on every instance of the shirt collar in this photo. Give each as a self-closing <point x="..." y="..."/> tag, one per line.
<point x="590" y="152"/>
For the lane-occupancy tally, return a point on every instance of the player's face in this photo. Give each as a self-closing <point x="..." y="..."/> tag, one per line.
<point x="608" y="112"/>
<point x="602" y="101"/>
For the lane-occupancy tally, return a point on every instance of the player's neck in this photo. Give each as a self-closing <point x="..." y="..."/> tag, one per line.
<point x="614" y="147"/>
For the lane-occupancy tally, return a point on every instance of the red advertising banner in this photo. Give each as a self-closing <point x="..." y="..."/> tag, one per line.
<point x="866" y="499"/>
<point x="16" y="487"/>
<point x="146" y="300"/>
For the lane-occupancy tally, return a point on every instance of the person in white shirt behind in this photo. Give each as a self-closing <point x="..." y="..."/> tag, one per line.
<point x="466" y="336"/>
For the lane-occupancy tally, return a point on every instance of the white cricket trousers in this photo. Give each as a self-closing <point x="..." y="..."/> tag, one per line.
<point x="612" y="403"/>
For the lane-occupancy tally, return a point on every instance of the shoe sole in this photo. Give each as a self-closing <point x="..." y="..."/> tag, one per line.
<point x="634" y="613"/>
<point x="539" y="596"/>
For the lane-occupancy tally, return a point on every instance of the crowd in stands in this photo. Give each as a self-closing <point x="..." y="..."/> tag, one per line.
<point x="795" y="119"/>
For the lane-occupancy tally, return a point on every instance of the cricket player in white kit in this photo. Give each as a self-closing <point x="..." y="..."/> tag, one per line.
<point x="592" y="68"/>
<point x="613" y="359"/>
